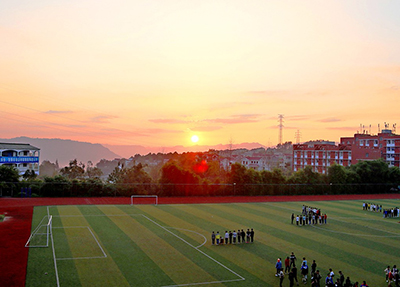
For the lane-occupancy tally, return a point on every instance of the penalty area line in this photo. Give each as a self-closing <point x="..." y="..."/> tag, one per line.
<point x="205" y="254"/>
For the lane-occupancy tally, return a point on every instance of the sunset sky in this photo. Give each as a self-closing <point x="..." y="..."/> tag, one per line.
<point x="155" y="73"/>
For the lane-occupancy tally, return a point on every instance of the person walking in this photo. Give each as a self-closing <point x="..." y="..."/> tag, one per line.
<point x="291" y="279"/>
<point x="292" y="260"/>
<point x="278" y="266"/>
<point x="287" y="265"/>
<point x="313" y="267"/>
<point x="281" y="277"/>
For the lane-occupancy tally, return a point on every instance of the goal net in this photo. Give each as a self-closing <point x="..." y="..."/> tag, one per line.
<point x="144" y="199"/>
<point x="40" y="236"/>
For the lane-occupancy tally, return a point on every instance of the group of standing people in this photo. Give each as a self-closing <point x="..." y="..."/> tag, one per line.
<point x="372" y="207"/>
<point x="316" y="278"/>
<point x="309" y="215"/>
<point x="391" y="212"/>
<point x="234" y="237"/>
<point x="392" y="276"/>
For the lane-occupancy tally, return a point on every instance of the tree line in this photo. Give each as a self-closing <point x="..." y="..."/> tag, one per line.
<point x="193" y="176"/>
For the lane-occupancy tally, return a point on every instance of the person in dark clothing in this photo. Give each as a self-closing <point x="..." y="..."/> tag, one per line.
<point x="239" y="235"/>
<point x="248" y="235"/>
<point x="341" y="278"/>
<point x="294" y="270"/>
<point x="315" y="279"/>
<point x="252" y="235"/>
<point x="230" y="237"/>
<point x="243" y="235"/>
<point x="281" y="277"/>
<point x="313" y="267"/>
<point x="291" y="278"/>
<point x="292" y="217"/>
<point x="213" y="238"/>
<point x="347" y="283"/>
<point x="292" y="259"/>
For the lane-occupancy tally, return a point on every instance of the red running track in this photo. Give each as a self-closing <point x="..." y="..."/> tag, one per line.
<point x="15" y="230"/>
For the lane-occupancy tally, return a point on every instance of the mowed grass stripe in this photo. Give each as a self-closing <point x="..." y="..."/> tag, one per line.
<point x="198" y="257"/>
<point x="176" y="266"/>
<point x="135" y="265"/>
<point x="233" y="256"/>
<point x="260" y="263"/>
<point x="304" y="244"/>
<point x="99" y="272"/>
<point x="170" y="215"/>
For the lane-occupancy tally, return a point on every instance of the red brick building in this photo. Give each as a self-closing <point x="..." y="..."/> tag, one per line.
<point x="320" y="155"/>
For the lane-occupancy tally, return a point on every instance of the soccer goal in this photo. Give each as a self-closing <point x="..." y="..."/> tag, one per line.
<point x="40" y="236"/>
<point x="144" y="199"/>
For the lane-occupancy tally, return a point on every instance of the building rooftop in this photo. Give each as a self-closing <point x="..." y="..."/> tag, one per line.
<point x="17" y="146"/>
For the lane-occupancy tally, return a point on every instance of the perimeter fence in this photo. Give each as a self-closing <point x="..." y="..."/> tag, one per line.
<point x="100" y="189"/>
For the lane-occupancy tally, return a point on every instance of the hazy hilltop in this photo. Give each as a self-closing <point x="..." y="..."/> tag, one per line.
<point x="66" y="150"/>
<point x="126" y="151"/>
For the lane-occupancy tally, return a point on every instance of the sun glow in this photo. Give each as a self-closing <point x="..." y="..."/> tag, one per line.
<point x="195" y="138"/>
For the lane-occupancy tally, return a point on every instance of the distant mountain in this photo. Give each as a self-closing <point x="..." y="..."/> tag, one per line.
<point x="66" y="150"/>
<point x="126" y="151"/>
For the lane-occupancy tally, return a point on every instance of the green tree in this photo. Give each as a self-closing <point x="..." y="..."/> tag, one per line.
<point x="74" y="170"/>
<point x="93" y="171"/>
<point x="9" y="178"/>
<point x="47" y="168"/>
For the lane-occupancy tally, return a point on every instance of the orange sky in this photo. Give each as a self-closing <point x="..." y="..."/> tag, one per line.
<point x="154" y="73"/>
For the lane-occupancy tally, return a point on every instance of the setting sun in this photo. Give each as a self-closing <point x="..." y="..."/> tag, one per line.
<point x="195" y="138"/>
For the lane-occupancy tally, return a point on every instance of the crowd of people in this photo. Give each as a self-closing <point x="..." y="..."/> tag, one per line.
<point x="387" y="213"/>
<point x="309" y="216"/>
<point x="316" y="279"/>
<point x="234" y="237"/>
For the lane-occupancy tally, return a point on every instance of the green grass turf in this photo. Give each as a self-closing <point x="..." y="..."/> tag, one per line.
<point x="146" y="245"/>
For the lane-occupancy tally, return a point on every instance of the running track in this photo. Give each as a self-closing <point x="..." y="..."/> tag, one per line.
<point x="15" y="230"/>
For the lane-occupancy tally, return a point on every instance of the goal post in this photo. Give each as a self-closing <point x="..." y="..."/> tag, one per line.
<point x="40" y="236"/>
<point x="144" y="196"/>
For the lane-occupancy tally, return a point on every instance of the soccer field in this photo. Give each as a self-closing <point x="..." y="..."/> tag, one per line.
<point x="170" y="245"/>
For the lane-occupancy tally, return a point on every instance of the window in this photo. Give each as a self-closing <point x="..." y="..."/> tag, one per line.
<point x="366" y="154"/>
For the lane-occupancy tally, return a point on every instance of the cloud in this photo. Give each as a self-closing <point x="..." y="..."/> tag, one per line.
<point x="102" y="119"/>
<point x="206" y="128"/>
<point x="168" y="121"/>
<point x="237" y="119"/>
<point x="57" y="112"/>
<point x="330" y="120"/>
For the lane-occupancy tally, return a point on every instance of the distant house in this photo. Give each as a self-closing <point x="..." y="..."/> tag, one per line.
<point x="22" y="156"/>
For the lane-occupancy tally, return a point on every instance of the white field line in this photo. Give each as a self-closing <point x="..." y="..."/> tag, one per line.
<point x="241" y="278"/>
<point x="54" y="252"/>
<point x="204" y="283"/>
<point x="205" y="254"/>
<point x="205" y="239"/>
<point x="98" y="244"/>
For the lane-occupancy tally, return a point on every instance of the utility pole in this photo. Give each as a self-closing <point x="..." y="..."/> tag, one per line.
<point x="297" y="135"/>
<point x="280" y="119"/>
